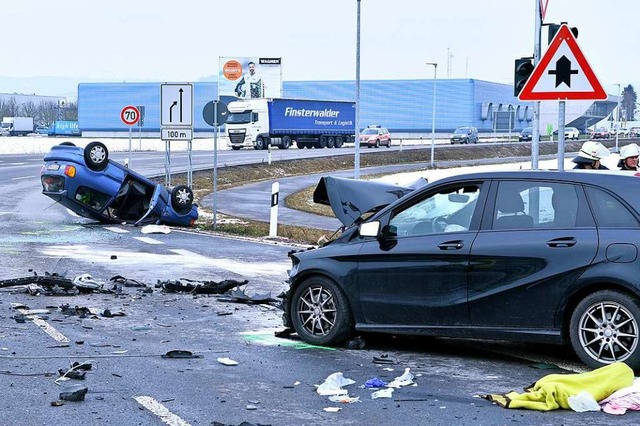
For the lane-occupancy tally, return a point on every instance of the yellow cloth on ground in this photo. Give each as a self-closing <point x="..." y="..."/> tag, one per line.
<point x="553" y="391"/>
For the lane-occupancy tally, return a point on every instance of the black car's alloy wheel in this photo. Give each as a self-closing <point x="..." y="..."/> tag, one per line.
<point x="320" y="312"/>
<point x="605" y="329"/>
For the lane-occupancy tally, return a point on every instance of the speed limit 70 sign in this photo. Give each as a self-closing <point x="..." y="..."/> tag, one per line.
<point x="130" y="115"/>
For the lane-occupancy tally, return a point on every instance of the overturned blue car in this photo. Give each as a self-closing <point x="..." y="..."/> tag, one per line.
<point x="85" y="181"/>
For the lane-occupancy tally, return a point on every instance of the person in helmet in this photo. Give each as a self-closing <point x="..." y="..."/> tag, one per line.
<point x="629" y="157"/>
<point x="589" y="156"/>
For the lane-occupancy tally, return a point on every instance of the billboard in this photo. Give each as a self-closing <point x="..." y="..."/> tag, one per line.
<point x="250" y="77"/>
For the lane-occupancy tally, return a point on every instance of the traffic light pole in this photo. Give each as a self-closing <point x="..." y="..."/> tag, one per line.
<point x="535" y="134"/>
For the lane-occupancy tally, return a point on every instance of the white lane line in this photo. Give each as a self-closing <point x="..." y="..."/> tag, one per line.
<point x="116" y="230"/>
<point x="160" y="410"/>
<point x="24" y="177"/>
<point x="148" y="240"/>
<point x="46" y="327"/>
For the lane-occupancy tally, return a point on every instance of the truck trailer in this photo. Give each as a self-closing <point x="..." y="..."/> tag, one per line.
<point x="260" y="123"/>
<point x="16" y="126"/>
<point x="64" y="128"/>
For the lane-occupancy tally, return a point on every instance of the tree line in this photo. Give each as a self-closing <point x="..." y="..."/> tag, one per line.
<point x="44" y="113"/>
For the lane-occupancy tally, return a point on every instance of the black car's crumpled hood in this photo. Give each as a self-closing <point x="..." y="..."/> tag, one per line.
<point x="350" y="198"/>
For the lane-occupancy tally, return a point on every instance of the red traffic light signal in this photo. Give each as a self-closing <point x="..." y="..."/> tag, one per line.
<point x="522" y="71"/>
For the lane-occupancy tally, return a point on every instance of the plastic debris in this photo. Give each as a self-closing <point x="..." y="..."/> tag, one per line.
<point x="239" y="296"/>
<point x="333" y="385"/>
<point x="374" y="383"/>
<point x="344" y="399"/>
<point x="332" y="409"/>
<point x="72" y="374"/>
<point x="86" y="284"/>
<point x="382" y="393"/>
<point x="180" y="354"/>
<point x="383" y="359"/>
<point x="199" y="287"/>
<point x="126" y="282"/>
<point x="73" y="393"/>
<point x="155" y="229"/>
<point x="227" y="361"/>
<point x="583" y="402"/>
<point x="405" y="380"/>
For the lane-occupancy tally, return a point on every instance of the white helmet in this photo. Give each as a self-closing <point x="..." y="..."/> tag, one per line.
<point x="593" y="150"/>
<point x="631" y="150"/>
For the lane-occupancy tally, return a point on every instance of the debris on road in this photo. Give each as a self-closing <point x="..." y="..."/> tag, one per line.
<point x="73" y="393"/>
<point x="126" y="282"/>
<point x="155" y="229"/>
<point x="180" y="354"/>
<point x="86" y="284"/>
<point x="333" y="385"/>
<point x="382" y="393"/>
<point x="227" y="361"/>
<point x="185" y="285"/>
<point x="238" y="295"/>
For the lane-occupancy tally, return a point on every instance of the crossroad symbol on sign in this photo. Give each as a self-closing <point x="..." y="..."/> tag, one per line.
<point x="563" y="73"/>
<point x="176" y="107"/>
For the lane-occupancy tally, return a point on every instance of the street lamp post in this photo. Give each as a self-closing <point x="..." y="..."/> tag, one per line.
<point x="618" y="118"/>
<point x="356" y="160"/>
<point x="433" y="110"/>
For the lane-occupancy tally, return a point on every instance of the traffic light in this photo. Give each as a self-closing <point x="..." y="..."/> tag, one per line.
<point x="553" y="29"/>
<point x="522" y="72"/>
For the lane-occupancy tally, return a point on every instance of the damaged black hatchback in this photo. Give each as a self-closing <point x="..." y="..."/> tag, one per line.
<point x="531" y="256"/>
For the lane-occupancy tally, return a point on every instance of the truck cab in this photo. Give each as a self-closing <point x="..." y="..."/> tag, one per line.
<point x="248" y="124"/>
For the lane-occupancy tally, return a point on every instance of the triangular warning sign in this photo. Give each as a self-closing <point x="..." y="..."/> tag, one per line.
<point x="563" y="73"/>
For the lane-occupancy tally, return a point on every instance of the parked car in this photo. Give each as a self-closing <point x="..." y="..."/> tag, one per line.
<point x="374" y="136"/>
<point x="85" y="181"/>
<point x="526" y="134"/>
<point x="634" y="132"/>
<point x="623" y="133"/>
<point x="42" y="130"/>
<point x="569" y="133"/>
<point x="600" y="133"/>
<point x="529" y="256"/>
<point x="465" y="135"/>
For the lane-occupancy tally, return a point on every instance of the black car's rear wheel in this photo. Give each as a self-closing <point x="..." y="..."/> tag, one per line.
<point x="182" y="198"/>
<point x="320" y="312"/>
<point x="605" y="329"/>
<point x="96" y="156"/>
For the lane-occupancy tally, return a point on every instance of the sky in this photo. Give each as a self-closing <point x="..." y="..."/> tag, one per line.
<point x="63" y="42"/>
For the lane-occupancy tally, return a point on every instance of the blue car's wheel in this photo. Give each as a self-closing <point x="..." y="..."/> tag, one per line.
<point x="182" y="199"/>
<point x="96" y="156"/>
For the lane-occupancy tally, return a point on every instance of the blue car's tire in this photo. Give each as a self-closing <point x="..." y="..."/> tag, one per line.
<point x="182" y="199"/>
<point x="96" y="155"/>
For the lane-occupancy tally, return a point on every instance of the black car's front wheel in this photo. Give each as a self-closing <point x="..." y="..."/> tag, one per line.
<point x="604" y="329"/>
<point x="320" y="312"/>
<point x="182" y="198"/>
<point x="96" y="156"/>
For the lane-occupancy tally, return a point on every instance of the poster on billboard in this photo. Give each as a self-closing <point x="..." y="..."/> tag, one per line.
<point x="250" y="77"/>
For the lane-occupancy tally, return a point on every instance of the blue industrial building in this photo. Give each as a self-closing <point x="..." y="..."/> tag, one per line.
<point x="403" y="106"/>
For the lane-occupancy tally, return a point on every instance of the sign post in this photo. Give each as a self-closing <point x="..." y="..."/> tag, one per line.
<point x="562" y="74"/>
<point x="130" y="115"/>
<point x="176" y="121"/>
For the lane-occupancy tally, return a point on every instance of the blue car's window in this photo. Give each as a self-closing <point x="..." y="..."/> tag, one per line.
<point x="91" y="198"/>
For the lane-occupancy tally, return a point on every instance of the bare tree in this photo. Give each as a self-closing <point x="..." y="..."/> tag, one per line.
<point x="47" y="112"/>
<point x="29" y="109"/>
<point x="628" y="102"/>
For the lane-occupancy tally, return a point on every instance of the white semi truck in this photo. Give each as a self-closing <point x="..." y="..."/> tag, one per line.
<point x="260" y="123"/>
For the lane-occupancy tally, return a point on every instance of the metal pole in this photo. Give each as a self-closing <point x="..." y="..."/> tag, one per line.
<point x="433" y="112"/>
<point x="190" y="163"/>
<point x="129" y="145"/>
<point x="535" y="134"/>
<point x="561" y="117"/>
<point x="356" y="160"/>
<point x="215" y="165"/>
<point x="618" y="119"/>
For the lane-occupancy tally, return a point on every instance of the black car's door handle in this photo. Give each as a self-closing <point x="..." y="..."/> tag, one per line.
<point x="451" y="245"/>
<point x="562" y="242"/>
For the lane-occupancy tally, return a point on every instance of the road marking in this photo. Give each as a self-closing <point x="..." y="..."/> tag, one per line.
<point x="148" y="240"/>
<point x="24" y="177"/>
<point x="247" y="269"/>
<point x="160" y="410"/>
<point x="46" y="327"/>
<point x="116" y="230"/>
